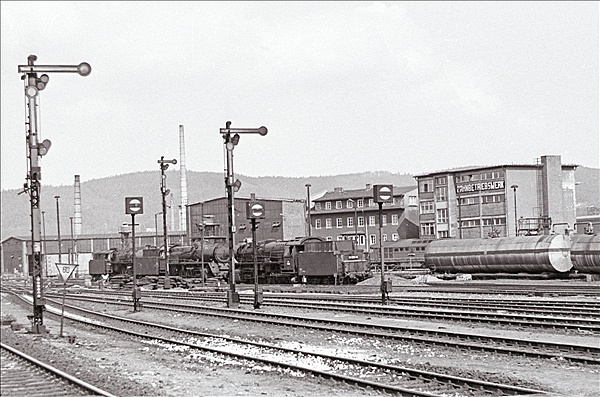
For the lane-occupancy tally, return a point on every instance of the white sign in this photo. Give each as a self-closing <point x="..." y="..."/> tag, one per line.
<point x="474" y="187"/>
<point x="65" y="270"/>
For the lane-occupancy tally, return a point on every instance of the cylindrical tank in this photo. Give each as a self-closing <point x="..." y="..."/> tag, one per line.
<point x="585" y="252"/>
<point x="527" y="254"/>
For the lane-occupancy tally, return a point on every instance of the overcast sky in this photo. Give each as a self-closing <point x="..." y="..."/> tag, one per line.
<point x="342" y="87"/>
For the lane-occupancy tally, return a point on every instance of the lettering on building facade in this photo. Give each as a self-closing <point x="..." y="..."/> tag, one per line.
<point x="475" y="187"/>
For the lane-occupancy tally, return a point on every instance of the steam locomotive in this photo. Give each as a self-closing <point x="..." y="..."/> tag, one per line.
<point x="303" y="260"/>
<point x="523" y="254"/>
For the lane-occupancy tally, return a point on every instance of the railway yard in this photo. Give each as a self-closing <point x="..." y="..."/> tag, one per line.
<point x="477" y="338"/>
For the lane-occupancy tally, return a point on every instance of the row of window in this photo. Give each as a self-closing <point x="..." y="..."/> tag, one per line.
<point x="360" y="203"/>
<point x="428" y="207"/>
<point x="339" y="222"/>
<point x="372" y="238"/>
<point x="428" y="228"/>
<point x="427" y="186"/>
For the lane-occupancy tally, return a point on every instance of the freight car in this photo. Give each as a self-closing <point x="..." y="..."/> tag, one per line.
<point x="585" y="252"/>
<point x="527" y="254"/>
<point x="401" y="254"/>
<point x="303" y="260"/>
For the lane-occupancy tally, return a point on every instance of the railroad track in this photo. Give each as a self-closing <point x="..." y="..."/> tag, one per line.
<point x="23" y="375"/>
<point x="363" y="373"/>
<point x="502" y="314"/>
<point x="369" y="328"/>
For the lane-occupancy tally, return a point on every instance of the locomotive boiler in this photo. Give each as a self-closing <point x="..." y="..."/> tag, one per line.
<point x="196" y="260"/>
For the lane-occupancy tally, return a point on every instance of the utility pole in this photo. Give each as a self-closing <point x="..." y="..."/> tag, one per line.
<point x="36" y="149"/>
<point x="514" y="188"/>
<point x="232" y="186"/>
<point x="308" y="221"/>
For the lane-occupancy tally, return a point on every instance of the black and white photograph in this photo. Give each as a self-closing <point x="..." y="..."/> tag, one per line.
<point x="300" y="198"/>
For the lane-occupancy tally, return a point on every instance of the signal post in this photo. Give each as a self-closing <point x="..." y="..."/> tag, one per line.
<point x="134" y="206"/>
<point x="254" y="211"/>
<point x="383" y="194"/>
<point x="164" y="165"/>
<point x="32" y="186"/>
<point x="232" y="186"/>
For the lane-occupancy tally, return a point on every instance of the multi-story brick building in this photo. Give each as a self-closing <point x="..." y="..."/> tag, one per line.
<point x="352" y="214"/>
<point x="497" y="200"/>
<point x="284" y="219"/>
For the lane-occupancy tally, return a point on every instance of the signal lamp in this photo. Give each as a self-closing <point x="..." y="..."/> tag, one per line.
<point x="84" y="69"/>
<point x="44" y="147"/>
<point x="31" y="91"/>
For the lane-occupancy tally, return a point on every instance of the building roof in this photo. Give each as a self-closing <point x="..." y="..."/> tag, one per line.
<point x="486" y="167"/>
<point x="341" y="194"/>
<point x="283" y="200"/>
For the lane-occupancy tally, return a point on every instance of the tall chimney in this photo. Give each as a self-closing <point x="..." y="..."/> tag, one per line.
<point x="77" y="217"/>
<point x="183" y="180"/>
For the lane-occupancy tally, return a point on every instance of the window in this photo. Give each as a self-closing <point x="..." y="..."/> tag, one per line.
<point x="383" y="220"/>
<point x="487" y="222"/>
<point x="340" y="238"/>
<point x="427" y="229"/>
<point x="361" y="221"/>
<point x="443" y="234"/>
<point x="317" y="223"/>
<point x="412" y="200"/>
<point x="496" y="198"/>
<point x="441" y="193"/>
<point x="361" y="240"/>
<point x="499" y="221"/>
<point x="498" y="175"/>
<point x="328" y="223"/>
<point x="372" y="239"/>
<point x="440" y="180"/>
<point x="371" y="202"/>
<point x="486" y="175"/>
<point x="338" y="205"/>
<point x="394" y="219"/>
<point x="384" y="237"/>
<point x="329" y="238"/>
<point x="328" y="205"/>
<point x="426" y="207"/>
<point x="442" y="215"/>
<point x="426" y="186"/>
<point x="338" y="222"/>
<point x="395" y="236"/>
<point x="317" y="206"/>
<point x="470" y="223"/>
<point x="468" y="200"/>
<point x="350" y="221"/>
<point x="372" y="220"/>
<point x="350" y="204"/>
<point x="360" y="203"/>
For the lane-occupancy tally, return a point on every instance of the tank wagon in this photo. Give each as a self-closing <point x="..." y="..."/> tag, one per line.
<point x="585" y="252"/>
<point x="523" y="254"/>
<point x="302" y="260"/>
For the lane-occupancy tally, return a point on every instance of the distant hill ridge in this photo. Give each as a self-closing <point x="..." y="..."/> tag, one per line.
<point x="103" y="200"/>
